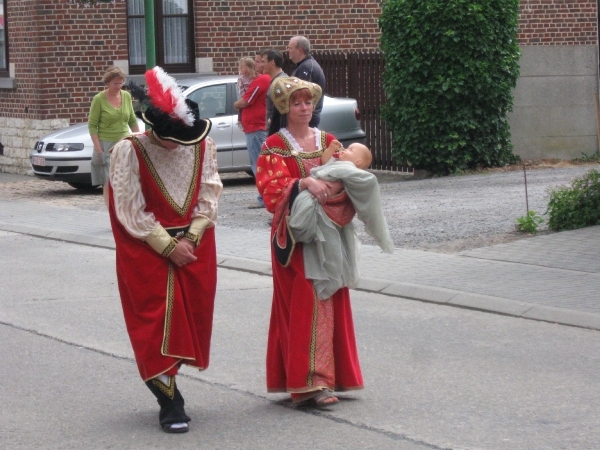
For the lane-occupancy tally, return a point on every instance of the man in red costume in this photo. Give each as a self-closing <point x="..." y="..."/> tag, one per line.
<point x="164" y="189"/>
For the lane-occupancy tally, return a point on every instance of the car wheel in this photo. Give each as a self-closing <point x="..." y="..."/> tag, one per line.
<point x="82" y="186"/>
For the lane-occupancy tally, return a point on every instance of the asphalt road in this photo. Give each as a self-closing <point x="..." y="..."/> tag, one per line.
<point x="436" y="377"/>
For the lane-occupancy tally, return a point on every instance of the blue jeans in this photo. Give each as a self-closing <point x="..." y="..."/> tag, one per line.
<point x="254" y="142"/>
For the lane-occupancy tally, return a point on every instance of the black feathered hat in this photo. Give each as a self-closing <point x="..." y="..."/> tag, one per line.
<point x="170" y="115"/>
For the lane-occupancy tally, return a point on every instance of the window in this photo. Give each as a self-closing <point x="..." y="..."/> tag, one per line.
<point x="212" y="100"/>
<point x="173" y="32"/>
<point x="3" y="41"/>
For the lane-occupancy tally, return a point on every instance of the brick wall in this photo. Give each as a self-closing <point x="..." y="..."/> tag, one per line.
<point x="227" y="30"/>
<point x="558" y="22"/>
<point x="60" y="52"/>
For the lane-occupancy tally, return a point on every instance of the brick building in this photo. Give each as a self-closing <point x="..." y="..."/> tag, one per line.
<point x="53" y="54"/>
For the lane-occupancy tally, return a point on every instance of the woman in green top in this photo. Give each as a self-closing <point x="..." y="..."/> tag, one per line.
<point x="111" y="118"/>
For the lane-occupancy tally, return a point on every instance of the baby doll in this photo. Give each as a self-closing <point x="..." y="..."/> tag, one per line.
<point x="356" y="153"/>
<point x="329" y="245"/>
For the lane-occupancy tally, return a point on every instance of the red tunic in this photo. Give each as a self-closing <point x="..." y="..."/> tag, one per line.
<point x="311" y="342"/>
<point x="168" y="309"/>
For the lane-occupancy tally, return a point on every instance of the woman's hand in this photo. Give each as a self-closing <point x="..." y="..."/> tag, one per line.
<point x="96" y="143"/>
<point x="183" y="253"/>
<point x="97" y="158"/>
<point x="321" y="190"/>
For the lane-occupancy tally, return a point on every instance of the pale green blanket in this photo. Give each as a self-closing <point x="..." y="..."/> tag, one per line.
<point x="330" y="252"/>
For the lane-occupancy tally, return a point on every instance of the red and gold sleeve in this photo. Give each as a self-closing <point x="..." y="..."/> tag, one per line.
<point x="272" y="177"/>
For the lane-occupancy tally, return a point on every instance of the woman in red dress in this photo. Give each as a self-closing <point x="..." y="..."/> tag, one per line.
<point x="311" y="348"/>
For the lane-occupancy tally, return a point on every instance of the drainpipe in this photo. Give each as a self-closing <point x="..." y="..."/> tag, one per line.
<point x="150" y="39"/>
<point x="597" y="70"/>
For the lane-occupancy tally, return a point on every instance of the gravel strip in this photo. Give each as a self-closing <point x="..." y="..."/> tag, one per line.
<point x="446" y="215"/>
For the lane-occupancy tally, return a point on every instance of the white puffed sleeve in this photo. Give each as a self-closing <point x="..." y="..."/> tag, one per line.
<point x="205" y="211"/>
<point x="129" y="201"/>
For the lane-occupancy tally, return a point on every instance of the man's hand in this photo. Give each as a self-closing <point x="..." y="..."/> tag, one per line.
<point x="183" y="253"/>
<point x="240" y="104"/>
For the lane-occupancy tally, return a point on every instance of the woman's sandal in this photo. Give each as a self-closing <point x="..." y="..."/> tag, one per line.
<point x="324" y="399"/>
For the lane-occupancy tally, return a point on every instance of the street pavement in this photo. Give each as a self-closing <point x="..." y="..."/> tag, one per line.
<point x="552" y="278"/>
<point x="445" y="364"/>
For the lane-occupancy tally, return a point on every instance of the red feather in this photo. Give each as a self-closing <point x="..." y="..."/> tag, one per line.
<point x="159" y="97"/>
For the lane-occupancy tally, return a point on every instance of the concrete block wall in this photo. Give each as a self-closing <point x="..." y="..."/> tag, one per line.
<point x="554" y="113"/>
<point x="18" y="136"/>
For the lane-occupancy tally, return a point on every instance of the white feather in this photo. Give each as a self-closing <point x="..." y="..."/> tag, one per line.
<point x="180" y="108"/>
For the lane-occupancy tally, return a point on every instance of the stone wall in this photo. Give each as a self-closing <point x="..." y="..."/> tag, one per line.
<point x="18" y="136"/>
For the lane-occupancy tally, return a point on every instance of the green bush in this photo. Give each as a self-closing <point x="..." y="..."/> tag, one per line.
<point x="530" y="222"/>
<point x="450" y="68"/>
<point x="575" y="206"/>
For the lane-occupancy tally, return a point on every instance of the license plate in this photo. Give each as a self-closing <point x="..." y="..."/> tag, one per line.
<point x="38" y="161"/>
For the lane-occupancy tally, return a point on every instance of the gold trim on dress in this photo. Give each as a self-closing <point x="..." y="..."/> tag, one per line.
<point x="169" y="248"/>
<point x="313" y="341"/>
<point x="289" y="245"/>
<point x="181" y="210"/>
<point x="169" y="314"/>
<point x="169" y="390"/>
<point x="193" y="238"/>
<point x="298" y="156"/>
<point x="168" y="309"/>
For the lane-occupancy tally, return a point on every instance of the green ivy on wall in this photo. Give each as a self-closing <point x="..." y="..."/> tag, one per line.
<point x="450" y="70"/>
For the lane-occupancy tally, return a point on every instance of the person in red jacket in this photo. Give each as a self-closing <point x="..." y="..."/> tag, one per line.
<point x="254" y="104"/>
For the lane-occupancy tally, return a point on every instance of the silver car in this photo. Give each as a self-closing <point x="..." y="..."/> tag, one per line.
<point x="65" y="155"/>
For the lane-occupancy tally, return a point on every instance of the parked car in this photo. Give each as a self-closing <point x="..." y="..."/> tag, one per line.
<point x="65" y="155"/>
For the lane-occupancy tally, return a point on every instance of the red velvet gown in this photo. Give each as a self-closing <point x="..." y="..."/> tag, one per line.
<point x="311" y="343"/>
<point x="168" y="309"/>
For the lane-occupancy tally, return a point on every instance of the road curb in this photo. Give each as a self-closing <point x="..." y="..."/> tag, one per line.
<point x="408" y="291"/>
<point x="484" y="303"/>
